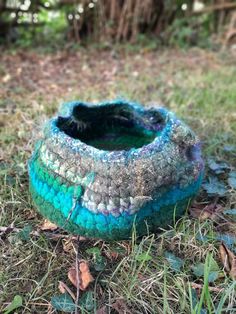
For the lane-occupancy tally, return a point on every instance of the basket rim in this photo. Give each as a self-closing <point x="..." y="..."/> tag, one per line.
<point x="51" y="130"/>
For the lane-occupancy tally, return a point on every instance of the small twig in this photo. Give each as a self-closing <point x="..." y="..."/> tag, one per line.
<point x="199" y="286"/>
<point x="66" y="288"/>
<point x="32" y="303"/>
<point x="39" y="304"/>
<point x="77" y="261"/>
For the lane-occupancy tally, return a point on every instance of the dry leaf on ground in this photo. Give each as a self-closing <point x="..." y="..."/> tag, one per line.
<point x="84" y="278"/>
<point x="228" y="260"/>
<point x="210" y="211"/>
<point x="67" y="245"/>
<point x="48" y="225"/>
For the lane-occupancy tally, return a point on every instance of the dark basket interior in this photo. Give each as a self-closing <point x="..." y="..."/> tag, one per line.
<point x="112" y="127"/>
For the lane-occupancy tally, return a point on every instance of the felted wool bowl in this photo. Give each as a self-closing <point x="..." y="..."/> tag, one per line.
<point x="103" y="170"/>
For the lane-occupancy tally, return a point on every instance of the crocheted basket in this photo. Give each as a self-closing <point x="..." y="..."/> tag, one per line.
<point x="101" y="170"/>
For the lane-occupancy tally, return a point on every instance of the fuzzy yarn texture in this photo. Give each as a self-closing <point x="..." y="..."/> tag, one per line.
<point x="103" y="170"/>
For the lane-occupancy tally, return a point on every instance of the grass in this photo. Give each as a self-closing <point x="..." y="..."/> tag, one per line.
<point x="200" y="87"/>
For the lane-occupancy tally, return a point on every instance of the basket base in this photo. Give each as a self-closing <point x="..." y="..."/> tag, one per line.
<point x="155" y="214"/>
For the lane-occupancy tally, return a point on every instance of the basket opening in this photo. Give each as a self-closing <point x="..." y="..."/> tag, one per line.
<point x="112" y="127"/>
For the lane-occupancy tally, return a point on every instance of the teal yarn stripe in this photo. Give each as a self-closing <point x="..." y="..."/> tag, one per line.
<point x="59" y="184"/>
<point x="55" y="216"/>
<point x="106" y="225"/>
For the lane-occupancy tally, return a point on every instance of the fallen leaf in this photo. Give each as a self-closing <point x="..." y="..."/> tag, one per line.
<point x="214" y="187"/>
<point x="198" y="271"/>
<point x="209" y="211"/>
<point x="67" y="245"/>
<point x="213" y="270"/>
<point x="63" y="288"/>
<point x="228" y="260"/>
<point x="87" y="301"/>
<point x="217" y="167"/>
<point x="63" y="303"/>
<point x="16" y="303"/>
<point x="72" y="276"/>
<point x="84" y="276"/>
<point x="48" y="225"/>
<point x="175" y="262"/>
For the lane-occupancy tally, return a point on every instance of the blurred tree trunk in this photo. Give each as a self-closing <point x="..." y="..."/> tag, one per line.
<point x="115" y="20"/>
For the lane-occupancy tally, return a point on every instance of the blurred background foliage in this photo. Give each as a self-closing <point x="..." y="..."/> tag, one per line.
<point x="68" y="22"/>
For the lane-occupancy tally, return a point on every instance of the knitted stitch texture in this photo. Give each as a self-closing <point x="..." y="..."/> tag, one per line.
<point x="102" y="170"/>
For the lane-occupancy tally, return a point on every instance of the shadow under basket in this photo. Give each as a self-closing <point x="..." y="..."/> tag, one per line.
<point x="103" y="170"/>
